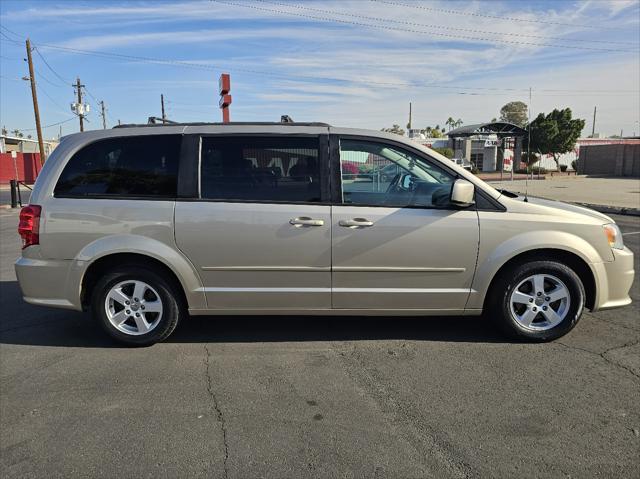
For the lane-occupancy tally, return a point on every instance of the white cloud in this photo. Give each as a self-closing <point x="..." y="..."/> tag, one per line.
<point x="362" y="75"/>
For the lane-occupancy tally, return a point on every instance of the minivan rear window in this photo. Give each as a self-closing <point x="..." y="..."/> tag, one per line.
<point x="140" y="166"/>
<point x="264" y="169"/>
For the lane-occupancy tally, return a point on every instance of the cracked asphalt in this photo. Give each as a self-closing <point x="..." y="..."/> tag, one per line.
<point x="316" y="397"/>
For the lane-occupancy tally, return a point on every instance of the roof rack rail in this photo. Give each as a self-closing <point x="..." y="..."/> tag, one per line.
<point x="233" y="123"/>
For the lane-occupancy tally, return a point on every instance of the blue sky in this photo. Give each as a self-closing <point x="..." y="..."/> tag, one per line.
<point x="349" y="63"/>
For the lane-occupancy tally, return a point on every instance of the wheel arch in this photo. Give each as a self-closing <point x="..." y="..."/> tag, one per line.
<point x="107" y="262"/>
<point x="112" y="250"/>
<point x="570" y="259"/>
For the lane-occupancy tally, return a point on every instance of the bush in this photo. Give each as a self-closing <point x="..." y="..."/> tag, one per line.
<point x="538" y="170"/>
<point x="563" y="167"/>
<point x="574" y="165"/>
<point x="474" y="170"/>
<point x="448" y="152"/>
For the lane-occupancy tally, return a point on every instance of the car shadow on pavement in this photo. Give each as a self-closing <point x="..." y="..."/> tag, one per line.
<point x="25" y="324"/>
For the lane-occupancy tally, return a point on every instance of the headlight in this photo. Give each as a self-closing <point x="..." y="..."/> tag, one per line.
<point x="614" y="235"/>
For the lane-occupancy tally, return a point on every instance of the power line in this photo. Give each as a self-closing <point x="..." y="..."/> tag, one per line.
<point x="314" y="79"/>
<point x="11" y="31"/>
<point x="42" y="77"/>
<point x="9" y="38"/>
<point x="64" y="80"/>
<point x="49" y="126"/>
<point x="422" y="32"/>
<point x="50" y="98"/>
<point x="440" y="27"/>
<point x="472" y="14"/>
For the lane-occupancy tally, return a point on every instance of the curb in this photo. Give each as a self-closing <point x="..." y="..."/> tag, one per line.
<point x="612" y="210"/>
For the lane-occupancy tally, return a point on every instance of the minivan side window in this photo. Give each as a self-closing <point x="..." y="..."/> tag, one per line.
<point x="141" y="166"/>
<point x="266" y="169"/>
<point x="379" y="174"/>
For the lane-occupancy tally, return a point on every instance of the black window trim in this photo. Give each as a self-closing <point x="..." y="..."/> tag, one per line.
<point x="337" y="178"/>
<point x="323" y="161"/>
<point x="72" y="154"/>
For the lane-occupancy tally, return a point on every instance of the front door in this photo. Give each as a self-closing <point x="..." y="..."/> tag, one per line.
<point x="258" y="233"/>
<point x="397" y="242"/>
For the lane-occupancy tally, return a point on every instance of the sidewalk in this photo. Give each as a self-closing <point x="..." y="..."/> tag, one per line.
<point x="605" y="194"/>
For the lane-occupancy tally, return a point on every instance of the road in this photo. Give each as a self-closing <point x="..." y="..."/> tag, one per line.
<point x="316" y="397"/>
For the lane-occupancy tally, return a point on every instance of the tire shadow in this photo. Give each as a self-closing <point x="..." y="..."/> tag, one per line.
<point x="25" y="324"/>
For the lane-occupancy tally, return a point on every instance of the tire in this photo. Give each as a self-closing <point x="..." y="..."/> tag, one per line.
<point x="522" y="313"/>
<point x="150" y="318"/>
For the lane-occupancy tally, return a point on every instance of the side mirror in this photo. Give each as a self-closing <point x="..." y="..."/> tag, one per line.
<point x="462" y="193"/>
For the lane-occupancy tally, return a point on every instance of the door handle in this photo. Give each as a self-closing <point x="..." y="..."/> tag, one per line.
<point x="355" y="223"/>
<point x="305" y="221"/>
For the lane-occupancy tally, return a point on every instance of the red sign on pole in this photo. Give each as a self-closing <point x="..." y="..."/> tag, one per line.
<point x="224" y="85"/>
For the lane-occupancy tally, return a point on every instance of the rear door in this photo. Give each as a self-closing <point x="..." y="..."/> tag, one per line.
<point x="259" y="230"/>
<point x="397" y="242"/>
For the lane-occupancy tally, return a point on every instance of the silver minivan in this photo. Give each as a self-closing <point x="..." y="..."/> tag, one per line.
<point x="144" y="225"/>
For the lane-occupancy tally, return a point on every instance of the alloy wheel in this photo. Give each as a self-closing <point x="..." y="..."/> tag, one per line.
<point x="133" y="307"/>
<point x="540" y="302"/>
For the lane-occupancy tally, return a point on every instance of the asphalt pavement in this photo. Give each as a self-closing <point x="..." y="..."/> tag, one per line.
<point x="279" y="397"/>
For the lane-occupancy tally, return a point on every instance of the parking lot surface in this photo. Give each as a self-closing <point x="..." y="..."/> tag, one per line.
<point x="280" y="397"/>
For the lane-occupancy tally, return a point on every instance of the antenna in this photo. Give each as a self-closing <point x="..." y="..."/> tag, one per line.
<point x="526" y="177"/>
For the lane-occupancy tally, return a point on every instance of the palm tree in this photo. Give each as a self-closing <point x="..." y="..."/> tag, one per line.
<point x="458" y="123"/>
<point x="450" y="122"/>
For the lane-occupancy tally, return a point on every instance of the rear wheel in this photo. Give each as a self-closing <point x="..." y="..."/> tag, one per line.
<point x="539" y="300"/>
<point x="136" y="306"/>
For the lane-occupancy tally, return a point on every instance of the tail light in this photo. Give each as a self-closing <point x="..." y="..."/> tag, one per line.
<point x="29" y="226"/>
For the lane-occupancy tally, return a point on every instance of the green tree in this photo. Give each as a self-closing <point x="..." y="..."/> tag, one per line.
<point x="448" y="152"/>
<point x="555" y="133"/>
<point x="529" y="160"/>
<point x="458" y="123"/>
<point x="514" y="112"/>
<point x="430" y="132"/>
<point x="394" y="129"/>
<point x="450" y="122"/>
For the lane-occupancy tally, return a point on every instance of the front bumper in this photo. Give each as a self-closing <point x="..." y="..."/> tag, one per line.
<point x="614" y="280"/>
<point x="48" y="282"/>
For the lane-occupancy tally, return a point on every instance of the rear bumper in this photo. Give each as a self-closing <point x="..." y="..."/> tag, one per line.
<point x="48" y="282"/>
<point x="614" y="280"/>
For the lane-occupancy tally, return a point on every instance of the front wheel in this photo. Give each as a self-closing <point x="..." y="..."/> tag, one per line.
<point x="136" y="306"/>
<point x="539" y="300"/>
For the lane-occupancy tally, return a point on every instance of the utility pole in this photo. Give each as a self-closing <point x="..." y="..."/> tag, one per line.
<point x="36" y="111"/>
<point x="593" y="127"/>
<point x="164" y="117"/>
<point x="104" y="119"/>
<point x="80" y="107"/>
